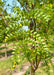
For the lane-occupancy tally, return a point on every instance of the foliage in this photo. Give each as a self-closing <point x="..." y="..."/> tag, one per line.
<point x="33" y="14"/>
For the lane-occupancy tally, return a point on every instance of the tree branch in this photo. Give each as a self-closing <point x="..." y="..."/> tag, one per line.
<point x="27" y="7"/>
<point x="4" y="19"/>
<point x="48" y="26"/>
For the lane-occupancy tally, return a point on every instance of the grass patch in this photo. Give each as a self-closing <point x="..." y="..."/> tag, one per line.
<point x="46" y="70"/>
<point x="5" y="66"/>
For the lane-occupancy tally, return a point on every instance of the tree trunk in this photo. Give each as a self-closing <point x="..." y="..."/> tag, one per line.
<point x="32" y="71"/>
<point x="5" y="51"/>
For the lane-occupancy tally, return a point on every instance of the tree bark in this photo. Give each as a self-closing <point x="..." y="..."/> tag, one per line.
<point x="32" y="71"/>
<point x="5" y="51"/>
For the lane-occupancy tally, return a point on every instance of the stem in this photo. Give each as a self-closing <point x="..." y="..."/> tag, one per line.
<point x="27" y="7"/>
<point x="32" y="71"/>
<point x="6" y="50"/>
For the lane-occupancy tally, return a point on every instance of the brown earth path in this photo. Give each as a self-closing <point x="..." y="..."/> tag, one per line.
<point x="22" y="72"/>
